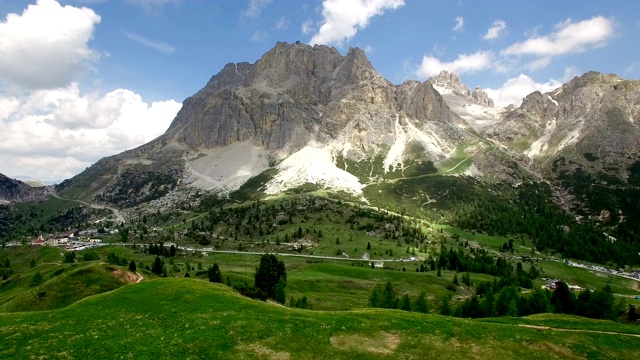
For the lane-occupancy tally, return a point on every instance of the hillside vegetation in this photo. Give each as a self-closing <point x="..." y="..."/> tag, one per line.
<point x="210" y="321"/>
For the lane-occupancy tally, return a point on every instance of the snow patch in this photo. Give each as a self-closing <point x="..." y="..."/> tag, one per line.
<point x="226" y="168"/>
<point x="572" y="137"/>
<point x="473" y="171"/>
<point x="312" y="164"/>
<point x="442" y="90"/>
<point x="540" y="145"/>
<point x="431" y="142"/>
<point x="394" y="156"/>
<point x="428" y="138"/>
<point x="551" y="99"/>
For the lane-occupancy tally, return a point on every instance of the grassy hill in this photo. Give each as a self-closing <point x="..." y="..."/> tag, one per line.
<point x="50" y="283"/>
<point x="188" y="318"/>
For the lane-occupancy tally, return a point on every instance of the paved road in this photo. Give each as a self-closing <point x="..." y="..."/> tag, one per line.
<point x="115" y="211"/>
<point x="284" y="254"/>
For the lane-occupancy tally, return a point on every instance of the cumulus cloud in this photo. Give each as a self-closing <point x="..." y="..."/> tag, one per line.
<point x="254" y="9"/>
<point x="465" y="63"/>
<point x="459" y="24"/>
<point x="569" y="37"/>
<point x="308" y="27"/>
<point x="282" y="23"/>
<point x="46" y="46"/>
<point x="497" y="30"/>
<point x="515" y="89"/>
<point x="156" y="45"/>
<point x="259" y="36"/>
<point x="343" y="18"/>
<point x="51" y="130"/>
<point x="54" y="134"/>
<point x="152" y="6"/>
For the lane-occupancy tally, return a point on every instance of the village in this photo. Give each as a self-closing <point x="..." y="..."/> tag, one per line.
<point x="72" y="240"/>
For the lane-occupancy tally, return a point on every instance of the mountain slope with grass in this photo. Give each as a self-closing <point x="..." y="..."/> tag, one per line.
<point x="190" y="318"/>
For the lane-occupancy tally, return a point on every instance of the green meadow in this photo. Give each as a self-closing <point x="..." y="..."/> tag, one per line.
<point x="189" y="318"/>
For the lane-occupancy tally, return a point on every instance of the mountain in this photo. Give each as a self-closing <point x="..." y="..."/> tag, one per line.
<point x="305" y="114"/>
<point x="580" y="136"/>
<point x="304" y="117"/>
<point x="14" y="190"/>
<point x="475" y="107"/>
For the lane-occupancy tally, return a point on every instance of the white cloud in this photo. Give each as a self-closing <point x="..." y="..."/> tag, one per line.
<point x="259" y="36"/>
<point x="46" y="46"/>
<point x="515" y="89"/>
<point x="308" y="27"/>
<point x="569" y="37"/>
<point x="497" y="30"/>
<point x="343" y="18"/>
<point x="152" y="6"/>
<point x="282" y="23"/>
<point x="157" y="45"/>
<point x="465" y="63"/>
<point x="54" y="134"/>
<point x="459" y="24"/>
<point x="255" y="8"/>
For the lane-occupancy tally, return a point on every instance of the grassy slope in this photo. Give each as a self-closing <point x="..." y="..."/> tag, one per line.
<point x="62" y="284"/>
<point x="187" y="318"/>
<point x="76" y="282"/>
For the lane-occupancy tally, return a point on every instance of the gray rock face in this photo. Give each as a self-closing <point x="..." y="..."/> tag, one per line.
<point x="14" y="190"/>
<point x="481" y="97"/>
<point x="451" y="82"/>
<point x="595" y="114"/>
<point x="296" y="93"/>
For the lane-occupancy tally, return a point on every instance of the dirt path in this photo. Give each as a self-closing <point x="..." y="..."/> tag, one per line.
<point x="544" y="328"/>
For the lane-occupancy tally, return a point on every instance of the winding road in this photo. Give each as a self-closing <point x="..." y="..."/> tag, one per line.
<point x="115" y="211"/>
<point x="284" y="254"/>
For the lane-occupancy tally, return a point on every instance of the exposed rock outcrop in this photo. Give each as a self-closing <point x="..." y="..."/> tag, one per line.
<point x="446" y="82"/>
<point x="295" y="98"/>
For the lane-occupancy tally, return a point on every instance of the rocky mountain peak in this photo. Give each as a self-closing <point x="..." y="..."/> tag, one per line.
<point x="447" y="82"/>
<point x="15" y="190"/>
<point x="303" y="111"/>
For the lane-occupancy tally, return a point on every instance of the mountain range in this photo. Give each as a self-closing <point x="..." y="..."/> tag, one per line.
<point x="309" y="117"/>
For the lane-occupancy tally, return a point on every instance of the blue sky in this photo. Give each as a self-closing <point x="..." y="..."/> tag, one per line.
<point x="83" y="79"/>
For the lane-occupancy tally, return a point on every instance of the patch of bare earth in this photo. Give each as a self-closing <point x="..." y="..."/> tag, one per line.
<point x="553" y="350"/>
<point x="382" y="343"/>
<point x="126" y="276"/>
<point x="263" y="352"/>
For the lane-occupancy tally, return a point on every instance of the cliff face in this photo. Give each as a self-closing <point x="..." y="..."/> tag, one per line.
<point x="447" y="82"/>
<point x="296" y="98"/>
<point x="296" y="93"/>
<point x="308" y="115"/>
<point x="594" y="114"/>
<point x="13" y="190"/>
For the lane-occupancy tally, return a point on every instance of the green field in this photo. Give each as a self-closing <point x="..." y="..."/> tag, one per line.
<point x="187" y="318"/>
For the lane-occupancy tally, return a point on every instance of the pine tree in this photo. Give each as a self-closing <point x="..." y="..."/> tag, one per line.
<point x="420" y="304"/>
<point x="405" y="303"/>
<point x="445" y="309"/>
<point x="389" y="298"/>
<point x="214" y="274"/>
<point x="375" y="297"/>
<point x="269" y="273"/>
<point x="157" y="266"/>
<point x="132" y="266"/>
<point x="631" y="314"/>
<point x="562" y="299"/>
<point x="279" y="294"/>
